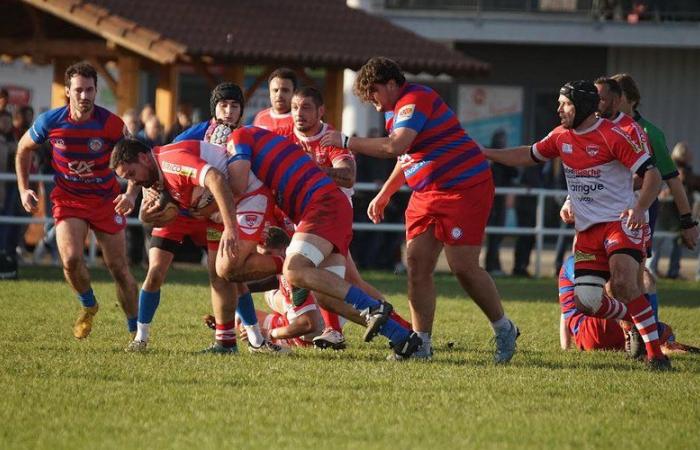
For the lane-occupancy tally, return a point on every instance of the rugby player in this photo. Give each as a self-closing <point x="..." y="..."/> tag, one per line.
<point x="599" y="160"/>
<point x="282" y="83"/>
<point x="87" y="195"/>
<point x="451" y="200"/>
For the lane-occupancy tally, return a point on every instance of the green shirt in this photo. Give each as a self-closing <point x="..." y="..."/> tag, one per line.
<point x="657" y="141"/>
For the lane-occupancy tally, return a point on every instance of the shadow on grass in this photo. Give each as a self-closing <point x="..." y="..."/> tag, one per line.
<point x="684" y="294"/>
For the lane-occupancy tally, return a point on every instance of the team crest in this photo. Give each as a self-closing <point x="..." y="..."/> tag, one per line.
<point x="249" y="222"/>
<point x="95" y="144"/>
<point x="456" y="233"/>
<point x="592" y="150"/>
<point x="405" y="113"/>
<point x="118" y="219"/>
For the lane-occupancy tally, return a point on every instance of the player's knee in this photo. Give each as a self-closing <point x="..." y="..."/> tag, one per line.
<point x="155" y="277"/>
<point x="624" y="289"/>
<point x="72" y="262"/>
<point x="588" y="293"/>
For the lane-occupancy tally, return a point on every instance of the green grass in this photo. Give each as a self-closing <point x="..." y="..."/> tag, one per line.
<point x="60" y="393"/>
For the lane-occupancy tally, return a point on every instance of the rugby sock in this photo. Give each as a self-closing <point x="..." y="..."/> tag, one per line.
<point x="226" y="334"/>
<point x="391" y="329"/>
<point x="612" y="309"/>
<point x="403" y="322"/>
<point x="299" y="295"/>
<point x="131" y="324"/>
<point x="87" y="298"/>
<point x="148" y="303"/>
<point x="246" y="309"/>
<point x="331" y="320"/>
<point x="426" y="338"/>
<point x="643" y="318"/>
<point x="654" y="302"/>
<point x="502" y="324"/>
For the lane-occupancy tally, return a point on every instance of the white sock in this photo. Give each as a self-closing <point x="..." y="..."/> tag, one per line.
<point x="425" y="337"/>
<point x="143" y="331"/>
<point x="255" y="337"/>
<point x="502" y="324"/>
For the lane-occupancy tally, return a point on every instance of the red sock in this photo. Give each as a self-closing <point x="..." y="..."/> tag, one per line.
<point x="612" y="309"/>
<point x="226" y="334"/>
<point x="403" y="322"/>
<point x="332" y="320"/>
<point x="643" y="318"/>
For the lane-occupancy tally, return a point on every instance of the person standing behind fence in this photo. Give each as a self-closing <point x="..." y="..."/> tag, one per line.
<point x="82" y="135"/>
<point x="452" y="195"/>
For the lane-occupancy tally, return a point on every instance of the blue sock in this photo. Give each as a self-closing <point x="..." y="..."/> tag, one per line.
<point x="246" y="309"/>
<point x="87" y="298"/>
<point x="654" y="302"/>
<point x="148" y="303"/>
<point x="392" y="330"/>
<point x="131" y="324"/>
<point x="357" y="298"/>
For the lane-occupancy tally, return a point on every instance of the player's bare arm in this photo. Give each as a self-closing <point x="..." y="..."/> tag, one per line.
<point x="516" y="156"/>
<point x="124" y="203"/>
<point x="218" y="186"/>
<point x="23" y="161"/>
<point x="636" y="216"/>
<point x="376" y="207"/>
<point x="342" y="172"/>
<point x="238" y="172"/>
<point x="567" y="212"/>
<point x="564" y="334"/>
<point x="396" y="144"/>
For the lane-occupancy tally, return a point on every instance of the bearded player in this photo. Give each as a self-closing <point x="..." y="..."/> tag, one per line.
<point x="611" y="226"/>
<point x="87" y="193"/>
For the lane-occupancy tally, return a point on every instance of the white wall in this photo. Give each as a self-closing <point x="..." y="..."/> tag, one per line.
<point x="37" y="79"/>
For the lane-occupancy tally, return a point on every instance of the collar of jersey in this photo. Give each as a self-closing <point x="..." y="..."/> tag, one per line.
<point x="316" y="137"/>
<point x="591" y="128"/>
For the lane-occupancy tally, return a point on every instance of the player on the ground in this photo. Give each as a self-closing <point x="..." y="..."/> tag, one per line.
<point x="226" y="105"/>
<point x="599" y="160"/>
<point x="316" y="257"/>
<point x="452" y="195"/>
<point x="82" y="135"/>
<point x="339" y="164"/>
<point x="282" y="83"/>
<point x="600" y="333"/>
<point x="191" y="171"/>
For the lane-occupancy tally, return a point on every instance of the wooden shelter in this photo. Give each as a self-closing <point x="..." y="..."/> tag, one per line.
<point x="226" y="35"/>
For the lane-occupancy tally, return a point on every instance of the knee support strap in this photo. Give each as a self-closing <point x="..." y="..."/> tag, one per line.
<point x="307" y="250"/>
<point x="589" y="290"/>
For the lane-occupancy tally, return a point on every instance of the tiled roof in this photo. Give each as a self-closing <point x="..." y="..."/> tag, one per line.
<point x="289" y="32"/>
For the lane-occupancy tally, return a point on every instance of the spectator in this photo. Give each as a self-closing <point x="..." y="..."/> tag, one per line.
<point x="502" y="177"/>
<point x="4" y="99"/>
<point x="147" y="112"/>
<point x="131" y="121"/>
<point x="183" y="121"/>
<point x="152" y="133"/>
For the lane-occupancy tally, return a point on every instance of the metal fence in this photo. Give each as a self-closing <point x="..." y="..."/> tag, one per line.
<point x="539" y="230"/>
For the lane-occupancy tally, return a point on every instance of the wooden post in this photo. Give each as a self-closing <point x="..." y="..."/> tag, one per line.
<point x="166" y="95"/>
<point x="235" y="74"/>
<point x="333" y="97"/>
<point x="127" y="89"/>
<point x="58" y="86"/>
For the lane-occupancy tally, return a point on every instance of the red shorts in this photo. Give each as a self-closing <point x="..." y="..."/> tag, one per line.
<point x="595" y="333"/>
<point x="182" y="227"/>
<point x="98" y="212"/>
<point x="459" y="216"/>
<point x="330" y="217"/>
<point x="594" y="246"/>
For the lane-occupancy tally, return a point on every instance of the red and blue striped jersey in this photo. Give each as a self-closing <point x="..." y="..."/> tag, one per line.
<point x="81" y="150"/>
<point x="282" y="166"/>
<point x="572" y="316"/>
<point x="442" y="156"/>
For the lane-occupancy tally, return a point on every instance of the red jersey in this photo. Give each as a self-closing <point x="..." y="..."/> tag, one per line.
<point x="278" y="123"/>
<point x="323" y="156"/>
<point x="81" y="150"/>
<point x="634" y="130"/>
<point x="598" y="164"/>
<point x="442" y="156"/>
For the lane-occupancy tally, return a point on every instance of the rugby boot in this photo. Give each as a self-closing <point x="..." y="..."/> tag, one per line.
<point x="376" y="318"/>
<point x="506" y="344"/>
<point x="83" y="325"/>
<point x="330" y="338"/>
<point x="218" y="349"/>
<point x="137" y="346"/>
<point x="662" y="364"/>
<point x="409" y="348"/>
<point x="269" y="348"/>
<point x="634" y="344"/>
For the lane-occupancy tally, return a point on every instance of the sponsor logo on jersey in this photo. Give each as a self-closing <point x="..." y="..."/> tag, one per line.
<point x="567" y="148"/>
<point x="213" y="234"/>
<point x="177" y="169"/>
<point x="592" y="150"/>
<point x="580" y="256"/>
<point x="82" y="169"/>
<point x="95" y="144"/>
<point x="405" y="113"/>
<point x="59" y="143"/>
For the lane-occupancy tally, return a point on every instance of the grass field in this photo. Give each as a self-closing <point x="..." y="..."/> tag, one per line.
<point x="60" y="393"/>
